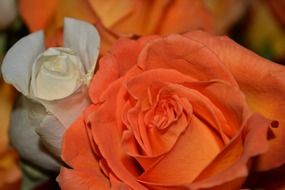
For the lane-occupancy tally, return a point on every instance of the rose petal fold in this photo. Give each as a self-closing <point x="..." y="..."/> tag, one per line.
<point x="265" y="92"/>
<point x="78" y="155"/>
<point x="51" y="133"/>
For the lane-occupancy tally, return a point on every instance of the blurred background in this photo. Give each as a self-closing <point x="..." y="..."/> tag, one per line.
<point x="258" y="25"/>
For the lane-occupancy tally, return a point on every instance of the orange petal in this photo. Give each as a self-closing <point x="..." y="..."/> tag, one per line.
<point x="106" y="134"/>
<point x="194" y="150"/>
<point x="49" y="15"/>
<point x="131" y="17"/>
<point x="116" y="64"/>
<point x="233" y="162"/>
<point x="186" y="56"/>
<point x="112" y="11"/>
<point x="79" y="155"/>
<point x="69" y="8"/>
<point x="75" y="179"/>
<point x="37" y="14"/>
<point x="265" y="92"/>
<point x="184" y="15"/>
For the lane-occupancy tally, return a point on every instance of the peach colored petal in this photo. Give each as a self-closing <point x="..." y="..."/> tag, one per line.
<point x="142" y="17"/>
<point x="228" y="99"/>
<point x="77" y="153"/>
<point x="186" y="56"/>
<point x="185" y="161"/>
<point x="184" y="15"/>
<point x="106" y="134"/>
<point x="233" y="162"/>
<point x="72" y="149"/>
<point x="49" y="15"/>
<point x="117" y="63"/>
<point x="117" y="185"/>
<point x="35" y="15"/>
<point x="111" y="11"/>
<point x="265" y="92"/>
<point x="75" y="179"/>
<point x="66" y="8"/>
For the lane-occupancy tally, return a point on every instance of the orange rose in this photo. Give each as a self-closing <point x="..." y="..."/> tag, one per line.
<point x="176" y="113"/>
<point x="124" y="17"/>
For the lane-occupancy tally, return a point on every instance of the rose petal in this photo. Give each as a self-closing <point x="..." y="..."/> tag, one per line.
<point x="51" y="18"/>
<point x="25" y="118"/>
<point x="84" y="39"/>
<point x="186" y="56"/>
<point x="177" y="167"/>
<point x="233" y="162"/>
<point x="184" y="15"/>
<point x="112" y="68"/>
<point x="17" y="64"/>
<point x="116" y="184"/>
<point x="106" y="135"/>
<point x="66" y="110"/>
<point x="51" y="132"/>
<point x="78" y="154"/>
<point x="111" y="11"/>
<point x="34" y="15"/>
<point x="76" y="179"/>
<point x="265" y="92"/>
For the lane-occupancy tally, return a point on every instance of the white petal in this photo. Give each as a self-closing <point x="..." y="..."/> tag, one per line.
<point x="51" y="133"/>
<point x="66" y="110"/>
<point x="17" y="64"/>
<point x="25" y="118"/>
<point x="84" y="39"/>
<point x="56" y="74"/>
<point x="8" y="12"/>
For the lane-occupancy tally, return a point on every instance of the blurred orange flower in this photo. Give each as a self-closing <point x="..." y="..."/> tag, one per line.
<point x="9" y="172"/>
<point x="123" y="17"/>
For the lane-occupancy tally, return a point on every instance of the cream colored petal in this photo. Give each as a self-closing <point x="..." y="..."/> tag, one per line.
<point x="17" y="64"/>
<point x="25" y="118"/>
<point x="51" y="132"/>
<point x="84" y="39"/>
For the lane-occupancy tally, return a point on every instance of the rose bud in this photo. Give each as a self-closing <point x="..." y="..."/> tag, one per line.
<point x="53" y="83"/>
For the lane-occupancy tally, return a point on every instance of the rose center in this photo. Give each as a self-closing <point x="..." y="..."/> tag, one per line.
<point x="56" y="74"/>
<point x="166" y="112"/>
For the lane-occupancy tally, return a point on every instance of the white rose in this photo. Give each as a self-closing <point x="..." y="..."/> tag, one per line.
<point x="54" y="85"/>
